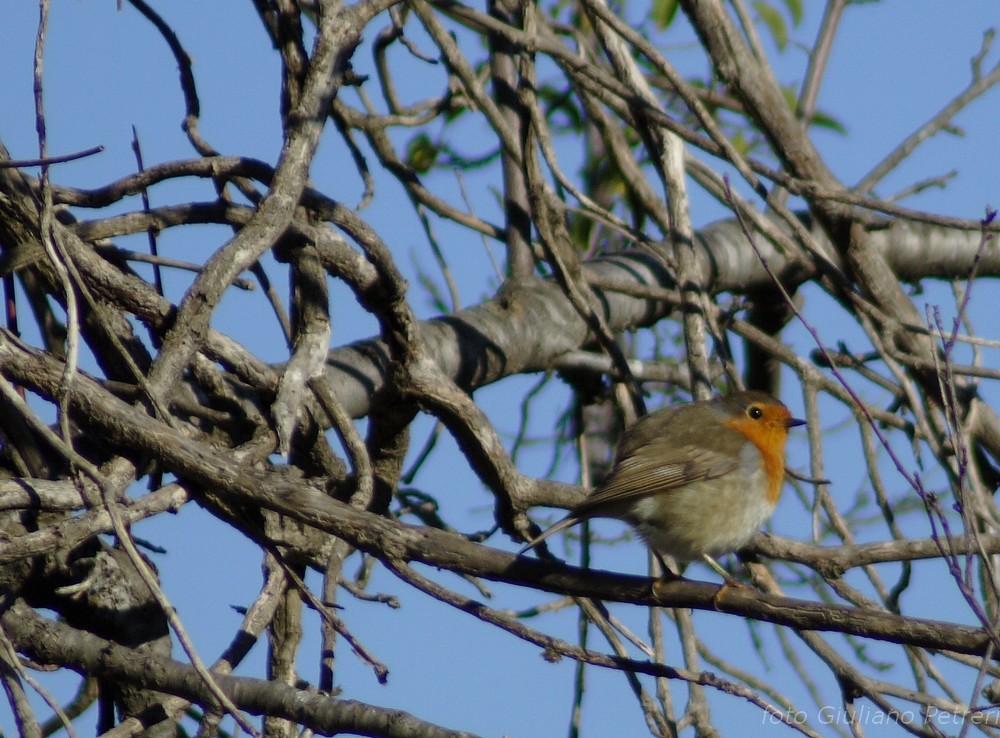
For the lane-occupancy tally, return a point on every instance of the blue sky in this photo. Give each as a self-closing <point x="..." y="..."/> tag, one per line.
<point x="894" y="65"/>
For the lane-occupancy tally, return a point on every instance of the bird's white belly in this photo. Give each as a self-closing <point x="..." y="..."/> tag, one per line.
<point x="710" y="517"/>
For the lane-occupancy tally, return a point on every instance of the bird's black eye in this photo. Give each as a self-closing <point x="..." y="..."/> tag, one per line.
<point x="754" y="412"/>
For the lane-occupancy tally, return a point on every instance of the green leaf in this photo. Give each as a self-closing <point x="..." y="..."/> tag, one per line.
<point x="794" y="10"/>
<point x="771" y="18"/>
<point x="421" y="153"/>
<point x="663" y="12"/>
<point x="435" y="299"/>
<point x="791" y="96"/>
<point x="824" y="120"/>
<point x="455" y="109"/>
<point x="740" y="143"/>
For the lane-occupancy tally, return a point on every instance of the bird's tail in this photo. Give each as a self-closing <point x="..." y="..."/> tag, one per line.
<point x="566" y="522"/>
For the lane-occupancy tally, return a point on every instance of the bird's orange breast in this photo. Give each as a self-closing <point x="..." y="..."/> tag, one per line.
<point x="769" y="434"/>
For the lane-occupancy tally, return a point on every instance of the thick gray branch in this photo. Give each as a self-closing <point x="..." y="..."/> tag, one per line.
<point x="528" y="329"/>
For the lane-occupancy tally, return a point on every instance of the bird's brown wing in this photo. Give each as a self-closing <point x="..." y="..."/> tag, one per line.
<point x="656" y="455"/>
<point x="656" y="470"/>
<point x="635" y="476"/>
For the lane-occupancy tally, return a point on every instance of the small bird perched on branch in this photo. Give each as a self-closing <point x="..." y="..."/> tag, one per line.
<point x="695" y="480"/>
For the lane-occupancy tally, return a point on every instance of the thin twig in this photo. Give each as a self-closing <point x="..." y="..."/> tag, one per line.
<point x="49" y="160"/>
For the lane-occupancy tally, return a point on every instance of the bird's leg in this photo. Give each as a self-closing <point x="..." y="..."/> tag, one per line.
<point x="667" y="572"/>
<point x="717" y="567"/>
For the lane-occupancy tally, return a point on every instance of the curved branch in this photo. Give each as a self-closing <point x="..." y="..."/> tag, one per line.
<point x="303" y="500"/>
<point x="50" y="642"/>
<point x="514" y="333"/>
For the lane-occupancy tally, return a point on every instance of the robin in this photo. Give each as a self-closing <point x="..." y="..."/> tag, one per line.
<point x="695" y="480"/>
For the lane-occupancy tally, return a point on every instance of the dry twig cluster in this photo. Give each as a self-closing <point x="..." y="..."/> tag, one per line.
<point x="157" y="408"/>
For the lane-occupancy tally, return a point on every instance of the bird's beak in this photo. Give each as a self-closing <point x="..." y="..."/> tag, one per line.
<point x="794" y="422"/>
